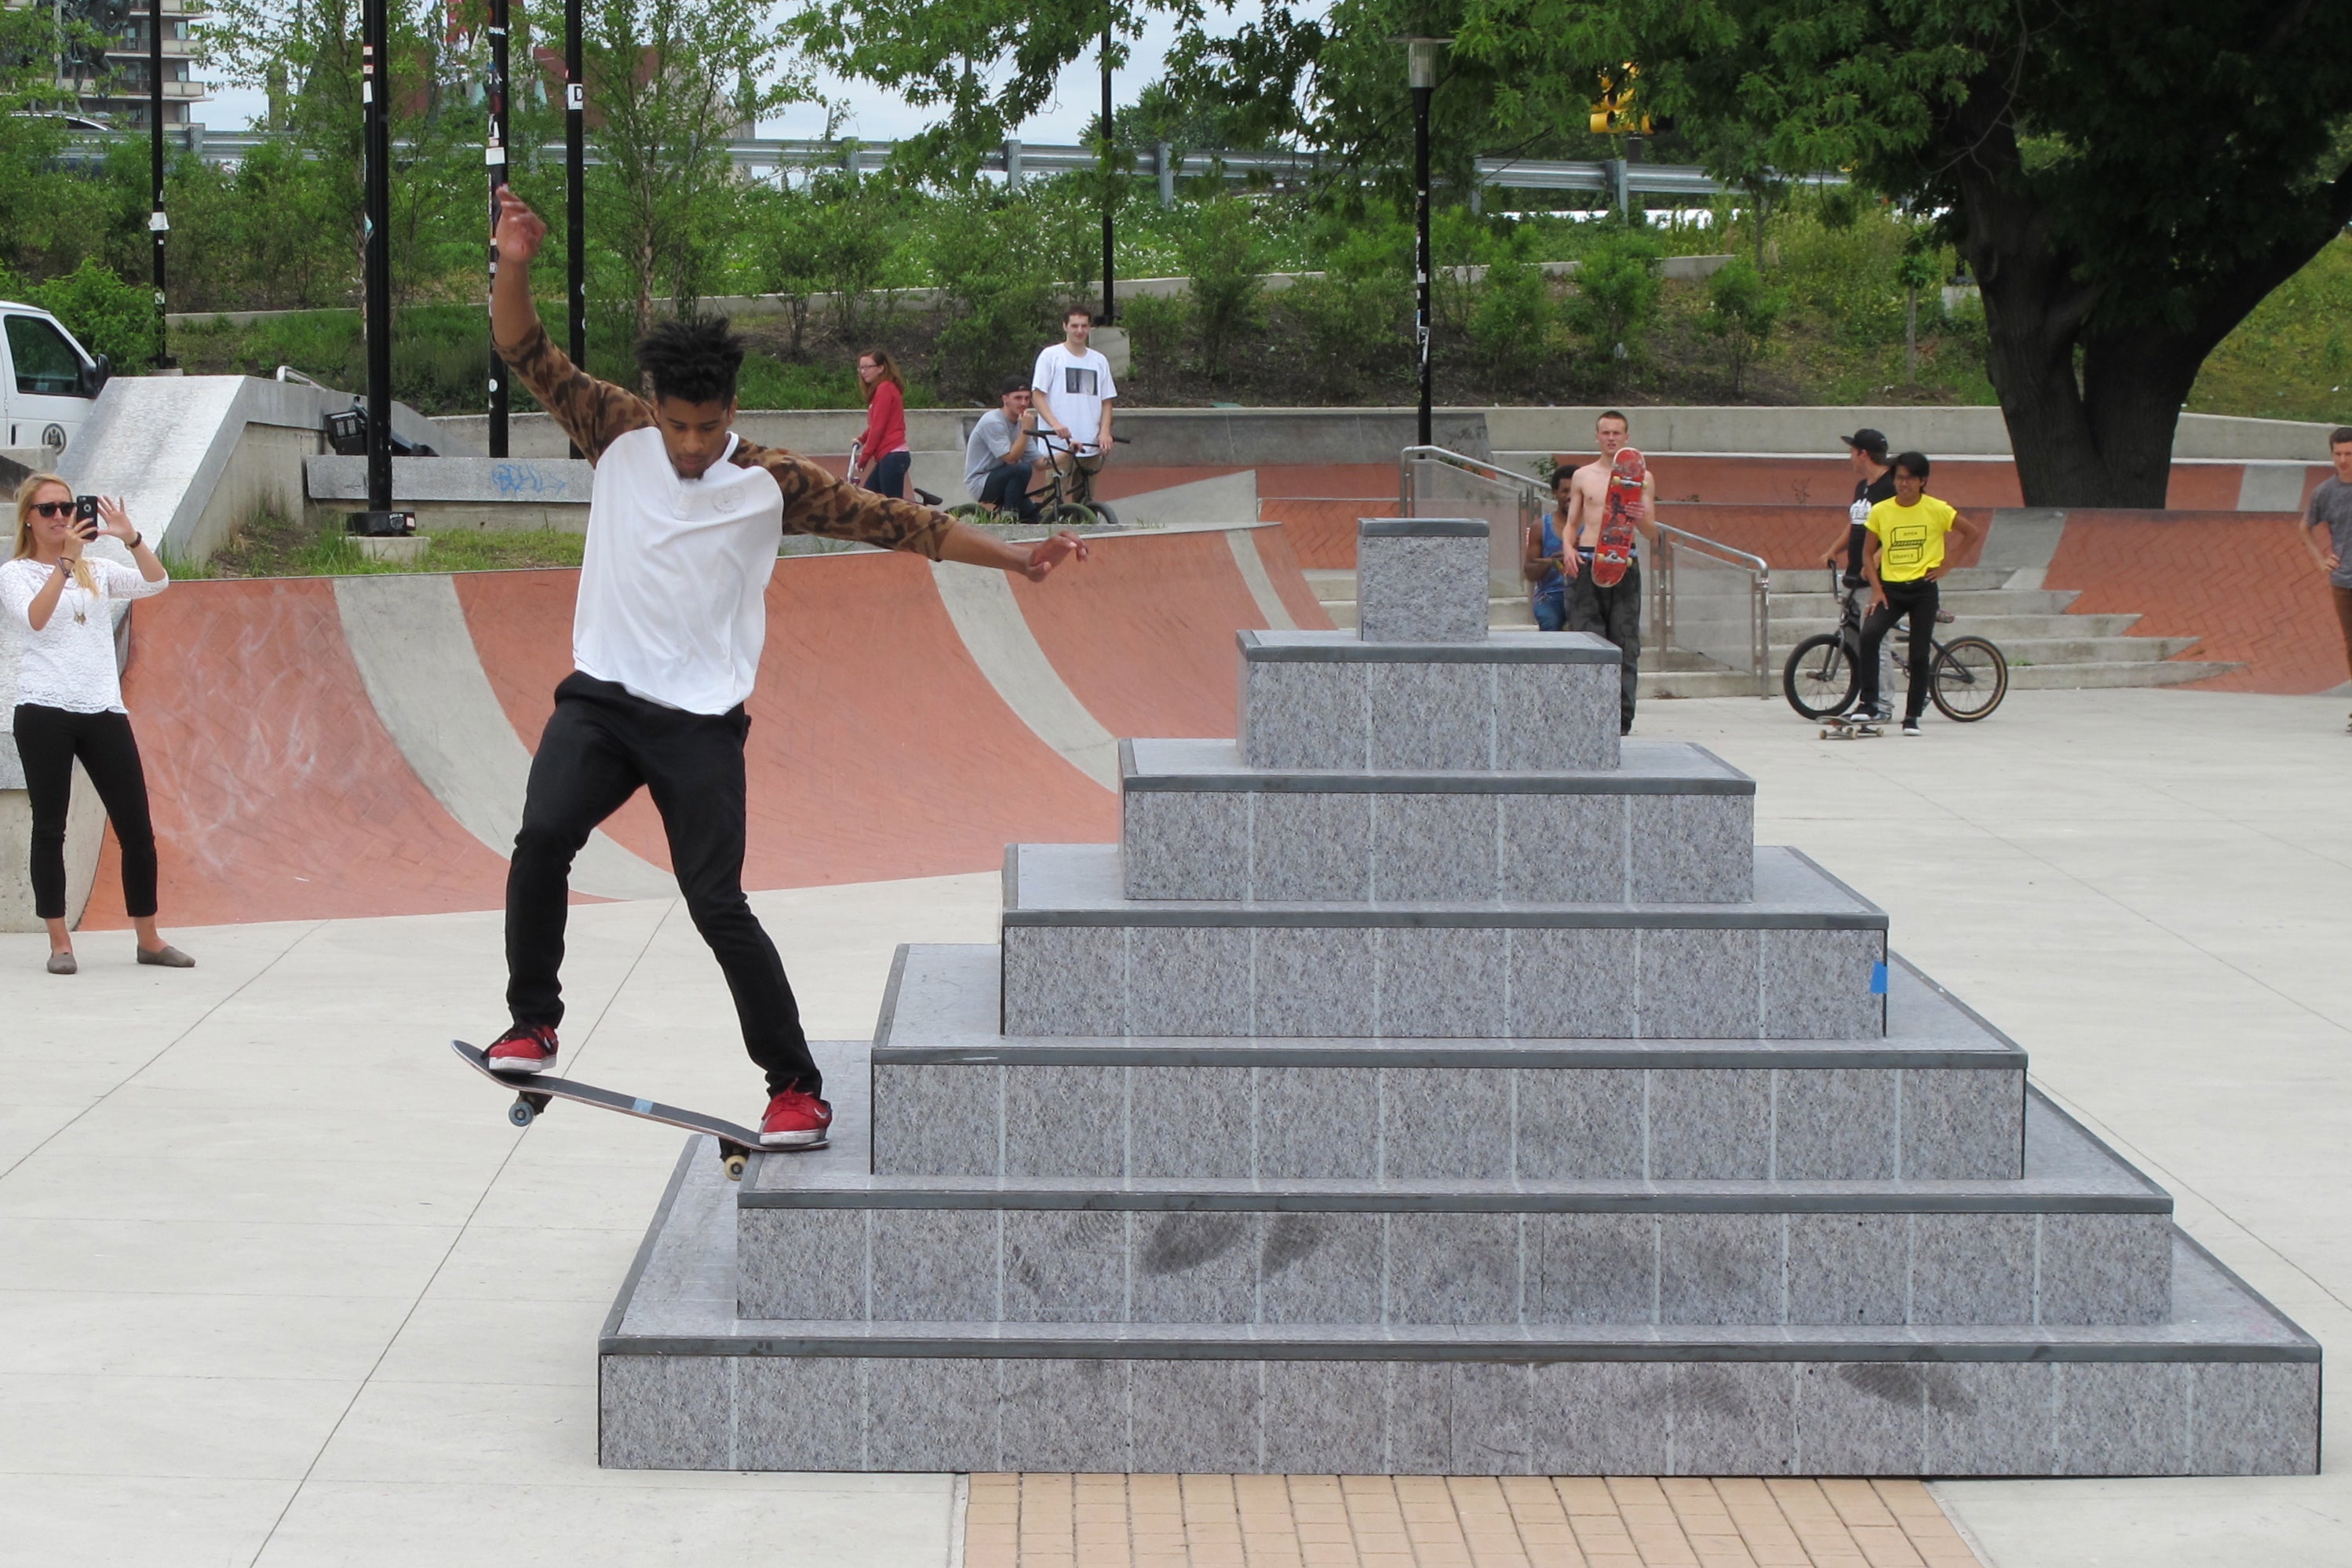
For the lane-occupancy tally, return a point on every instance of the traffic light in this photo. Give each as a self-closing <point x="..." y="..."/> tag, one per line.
<point x="1615" y="114"/>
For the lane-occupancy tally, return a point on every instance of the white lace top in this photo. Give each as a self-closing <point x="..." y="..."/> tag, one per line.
<point x="69" y="663"/>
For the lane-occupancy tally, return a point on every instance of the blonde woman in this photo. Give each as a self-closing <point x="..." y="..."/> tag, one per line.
<point x="69" y="698"/>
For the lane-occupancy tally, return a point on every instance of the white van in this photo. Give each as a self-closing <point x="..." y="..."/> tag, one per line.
<point x="48" y="381"/>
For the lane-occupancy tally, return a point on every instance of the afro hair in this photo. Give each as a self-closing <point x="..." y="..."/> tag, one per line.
<point x="694" y="361"/>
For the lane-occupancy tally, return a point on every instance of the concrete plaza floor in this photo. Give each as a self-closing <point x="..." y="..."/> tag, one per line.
<point x="279" y="1285"/>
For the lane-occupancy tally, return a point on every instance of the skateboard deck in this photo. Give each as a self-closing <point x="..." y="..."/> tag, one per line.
<point x="1841" y="728"/>
<point x="534" y="1091"/>
<point x="1613" y="552"/>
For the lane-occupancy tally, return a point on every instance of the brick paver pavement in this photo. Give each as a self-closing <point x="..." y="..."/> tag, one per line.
<point x="1436" y="1521"/>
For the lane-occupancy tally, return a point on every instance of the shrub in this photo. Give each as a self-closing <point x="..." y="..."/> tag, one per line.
<point x="109" y="316"/>
<point x="1741" y="312"/>
<point x="1155" y="327"/>
<point x="996" y="305"/>
<point x="1357" y="315"/>
<point x="1223" y="255"/>
<point x="1616" y="298"/>
<point x="1510" y="314"/>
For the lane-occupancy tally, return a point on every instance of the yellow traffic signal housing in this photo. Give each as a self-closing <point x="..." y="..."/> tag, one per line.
<point x="1615" y="114"/>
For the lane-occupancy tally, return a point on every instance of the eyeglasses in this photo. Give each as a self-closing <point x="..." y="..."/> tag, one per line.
<point x="53" y="507"/>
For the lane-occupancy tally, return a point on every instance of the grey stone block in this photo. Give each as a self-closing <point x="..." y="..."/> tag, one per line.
<point x="1490" y="1418"/>
<point x="1420" y="1419"/>
<point x="2109" y="1269"/>
<point x="934" y="1266"/>
<point x="1990" y="1418"/>
<point x="1065" y="1266"/>
<point x="1601" y="1417"/>
<point x="1195" y="1267"/>
<point x="2251" y="1418"/>
<point x="1578" y="1124"/>
<point x="1963" y="1124"/>
<point x="1565" y="848"/>
<point x="1444" y="982"/>
<point x="1692" y="849"/>
<point x="1861" y="1418"/>
<point x="1452" y="1268"/>
<point x="1064" y="1415"/>
<point x="1973" y="1268"/>
<point x="1315" y="981"/>
<point x="1320" y="1268"/>
<point x="1720" y="1268"/>
<point x="1184" y="844"/>
<point x="928" y="1414"/>
<point x="1320" y="1124"/>
<point x="2122" y="1418"/>
<point x="1556" y="718"/>
<point x="1591" y="1268"/>
<point x="1573" y="985"/>
<point x="1816" y="984"/>
<point x="1195" y="1417"/>
<point x="1711" y="1124"/>
<point x="1065" y="1120"/>
<point x="1065" y="980"/>
<point x="1188" y="1122"/>
<point x="1326" y="1417"/>
<point x="666" y="1412"/>
<point x="1190" y="980"/>
<point x="1835" y="1125"/>
<point x="1446" y="1125"/>
<point x="1848" y="1267"/>
<point x="805" y="1413"/>
<point x="1733" y="1417"/>
<point x="1311" y="847"/>
<point x="1698" y="983"/>
<point x="936" y="1120"/>
<point x="805" y="1264"/>
<point x="1434" y="848"/>
<point x="1421" y="588"/>
<point x="1304" y="715"/>
<point x="1437" y="715"/>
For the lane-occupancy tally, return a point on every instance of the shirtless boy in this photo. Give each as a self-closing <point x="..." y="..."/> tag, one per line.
<point x="1614" y="612"/>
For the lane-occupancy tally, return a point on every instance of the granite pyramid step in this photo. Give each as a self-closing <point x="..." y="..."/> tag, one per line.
<point x="1939" y="1097"/>
<point x="1672" y="823"/>
<point x="1803" y="958"/>
<point x="2080" y="1238"/>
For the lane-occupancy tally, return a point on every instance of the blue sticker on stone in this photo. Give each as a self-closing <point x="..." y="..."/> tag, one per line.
<point x="1878" y="980"/>
<point x="644" y="1107"/>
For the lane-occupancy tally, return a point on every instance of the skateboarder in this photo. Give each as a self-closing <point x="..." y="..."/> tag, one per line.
<point x="1905" y="556"/>
<point x="1613" y="612"/>
<point x="665" y="639"/>
<point x="2328" y="531"/>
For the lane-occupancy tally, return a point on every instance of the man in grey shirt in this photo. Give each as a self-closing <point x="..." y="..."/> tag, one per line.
<point x="997" y="465"/>
<point x="2327" y="531"/>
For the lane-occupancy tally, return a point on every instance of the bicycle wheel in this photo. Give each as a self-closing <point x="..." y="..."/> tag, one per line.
<point x="1971" y="677"/>
<point x="1819" y="678"/>
<point x="1104" y="515"/>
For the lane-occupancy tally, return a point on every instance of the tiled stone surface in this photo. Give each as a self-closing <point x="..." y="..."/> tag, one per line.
<point x="1447" y="982"/>
<point x="1855" y="1268"/>
<point x="1566" y="849"/>
<point x="936" y="1120"/>
<point x="1318" y="1123"/>
<point x="934" y="1266"/>
<point x="1963" y="1126"/>
<point x="1312" y="981"/>
<point x="1179" y="844"/>
<point x="1063" y="1266"/>
<point x="1971" y="1268"/>
<point x="1556" y="716"/>
<point x="1166" y="1106"/>
<point x="1438" y="848"/>
<point x="1721" y="1267"/>
<point x="1431" y="715"/>
<point x="1697" y="984"/>
<point x="1303" y="715"/>
<point x="1446" y="1123"/>
<point x="1220" y="1416"/>
<point x="1065" y="1121"/>
<point x="801" y="1263"/>
<point x="1692" y="849"/>
<point x="1711" y="1125"/>
<point x="1574" y="985"/>
<point x="1065" y="980"/>
<point x="1188" y="980"/>
<point x="1310" y="847"/>
<point x="1195" y="1267"/>
<point x="2104" y="1269"/>
<point x="1817" y="985"/>
<point x="1582" y="1124"/>
<point x="1419" y="588"/>
<point x="1321" y="1268"/>
<point x="1593" y="1269"/>
<point x="1835" y="1125"/>
<point x="1521" y="717"/>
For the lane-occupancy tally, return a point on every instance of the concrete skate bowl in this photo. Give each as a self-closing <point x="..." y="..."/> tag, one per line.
<point x="323" y="748"/>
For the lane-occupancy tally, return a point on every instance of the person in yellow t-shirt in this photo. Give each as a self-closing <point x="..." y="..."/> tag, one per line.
<point x="1903" y="555"/>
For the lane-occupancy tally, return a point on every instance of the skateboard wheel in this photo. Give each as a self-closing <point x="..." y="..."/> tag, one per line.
<point x="521" y="1111"/>
<point x="735" y="1164"/>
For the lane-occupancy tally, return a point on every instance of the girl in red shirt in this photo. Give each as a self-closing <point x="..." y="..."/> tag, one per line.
<point x="882" y="455"/>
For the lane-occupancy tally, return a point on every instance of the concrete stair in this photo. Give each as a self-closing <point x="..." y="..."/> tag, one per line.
<point x="1392" y="1101"/>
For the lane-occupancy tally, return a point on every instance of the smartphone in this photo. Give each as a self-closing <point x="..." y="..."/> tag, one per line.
<point x="86" y="516"/>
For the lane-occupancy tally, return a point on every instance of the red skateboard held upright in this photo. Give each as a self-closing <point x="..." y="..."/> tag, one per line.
<point x="1614" y="551"/>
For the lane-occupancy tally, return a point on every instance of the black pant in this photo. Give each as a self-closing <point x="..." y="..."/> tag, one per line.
<point x="48" y="740"/>
<point x="890" y="475"/>
<point x="1614" y="613"/>
<point x="1918" y="600"/>
<point x="1006" y="488"/>
<point x="599" y="746"/>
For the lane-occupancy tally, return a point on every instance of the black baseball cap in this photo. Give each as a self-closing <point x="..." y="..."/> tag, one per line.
<point x="1868" y="440"/>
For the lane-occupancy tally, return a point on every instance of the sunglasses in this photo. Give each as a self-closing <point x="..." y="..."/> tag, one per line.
<point x="53" y="507"/>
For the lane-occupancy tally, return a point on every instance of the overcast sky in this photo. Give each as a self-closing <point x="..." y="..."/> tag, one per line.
<point x="877" y="116"/>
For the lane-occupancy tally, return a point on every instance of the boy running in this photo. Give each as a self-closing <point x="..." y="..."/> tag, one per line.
<point x="665" y="638"/>
<point x="1905" y="556"/>
<point x="2328" y="531"/>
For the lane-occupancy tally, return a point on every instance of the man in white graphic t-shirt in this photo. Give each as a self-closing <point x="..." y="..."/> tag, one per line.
<point x="1075" y="395"/>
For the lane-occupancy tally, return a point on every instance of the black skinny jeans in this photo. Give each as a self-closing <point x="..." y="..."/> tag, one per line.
<point x="1919" y="600"/>
<point x="49" y="741"/>
<point x="1006" y="488"/>
<point x="599" y="747"/>
<point x="1613" y="613"/>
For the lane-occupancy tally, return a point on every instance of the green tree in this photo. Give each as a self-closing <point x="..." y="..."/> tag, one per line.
<point x="997" y="294"/>
<point x="1223" y="255"/>
<point x="1511" y="314"/>
<point x="1741" y="312"/>
<point x="48" y="222"/>
<point x="1616" y="299"/>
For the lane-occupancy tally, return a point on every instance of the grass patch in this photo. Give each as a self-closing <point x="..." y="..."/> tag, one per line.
<point x="270" y="543"/>
<point x="2292" y="357"/>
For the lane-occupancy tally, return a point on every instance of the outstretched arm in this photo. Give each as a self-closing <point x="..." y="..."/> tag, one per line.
<point x="591" y="412"/>
<point x="975" y="547"/>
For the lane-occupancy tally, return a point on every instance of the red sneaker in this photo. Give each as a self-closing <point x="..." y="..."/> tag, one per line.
<point x="796" y="1120"/>
<point x="526" y="1047"/>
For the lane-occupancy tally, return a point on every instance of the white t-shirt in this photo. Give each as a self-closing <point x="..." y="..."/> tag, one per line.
<point x="674" y="576"/>
<point x="1077" y="386"/>
<point x="69" y="663"/>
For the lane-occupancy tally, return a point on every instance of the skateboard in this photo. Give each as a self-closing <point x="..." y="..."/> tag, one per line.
<point x="1613" y="552"/>
<point x="532" y="1093"/>
<point x="1843" y="727"/>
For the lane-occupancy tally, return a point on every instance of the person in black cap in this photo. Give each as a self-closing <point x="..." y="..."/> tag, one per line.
<point x="1873" y="482"/>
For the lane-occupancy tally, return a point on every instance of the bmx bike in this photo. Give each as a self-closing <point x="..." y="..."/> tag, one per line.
<point x="1068" y="500"/>
<point x="1968" y="677"/>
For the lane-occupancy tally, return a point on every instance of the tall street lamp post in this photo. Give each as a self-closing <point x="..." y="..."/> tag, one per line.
<point x="575" y="218"/>
<point x="376" y="93"/>
<point x="494" y="153"/>
<point x="158" y="226"/>
<point x="1110" y="305"/>
<point x="1421" y="62"/>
